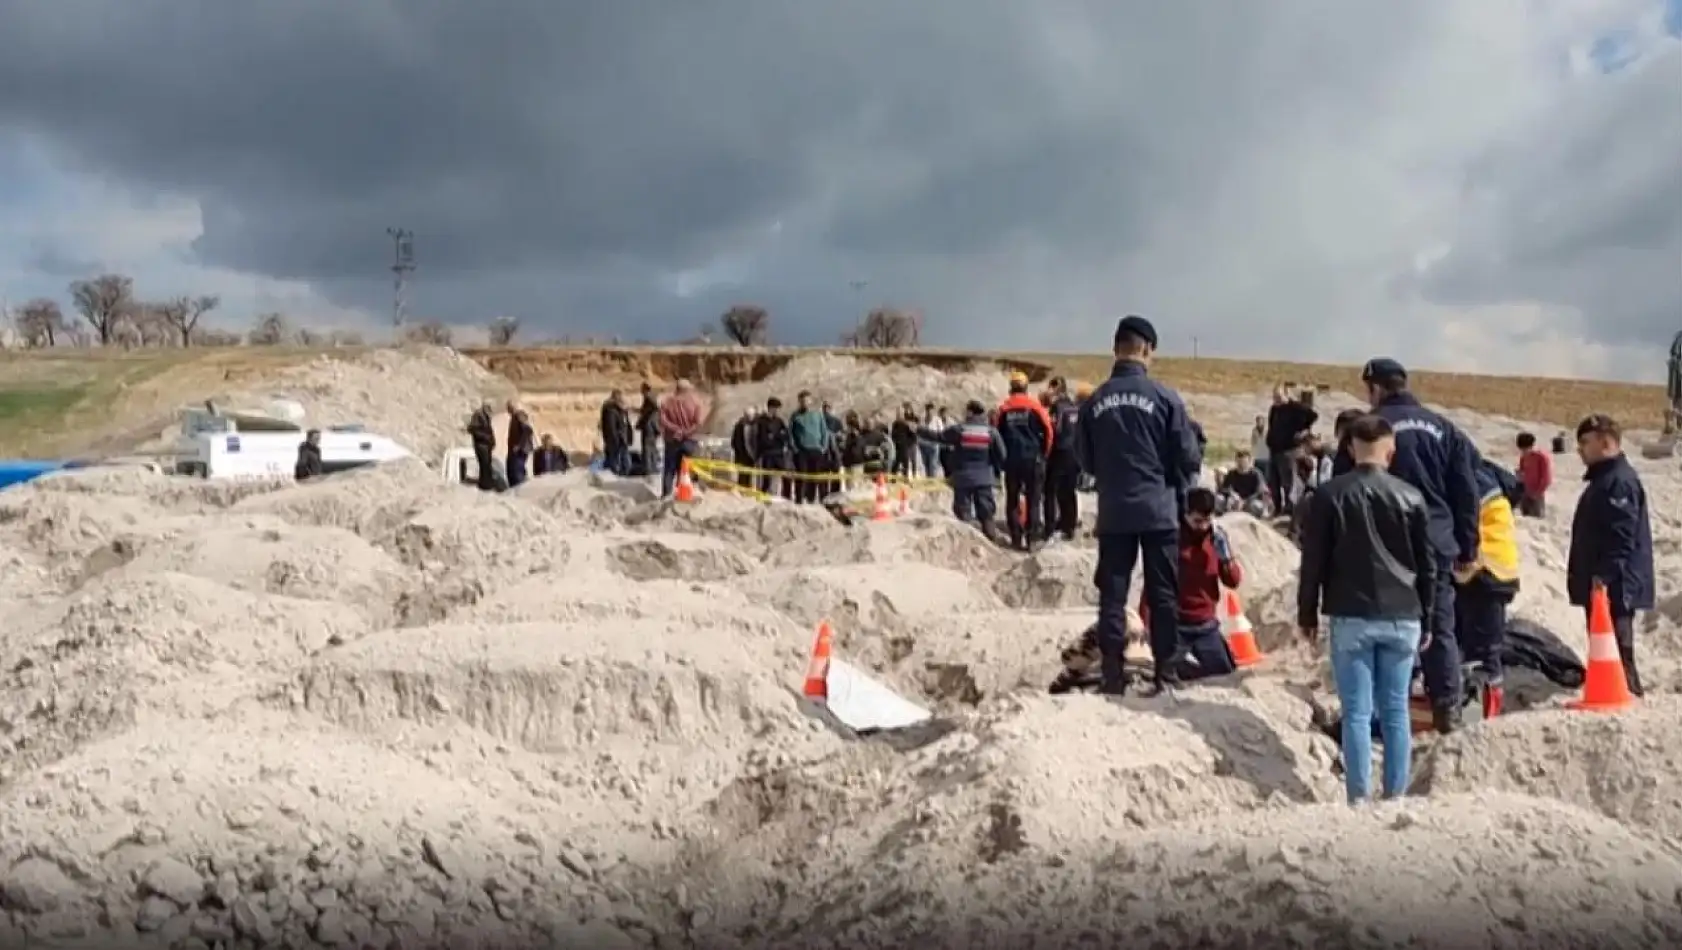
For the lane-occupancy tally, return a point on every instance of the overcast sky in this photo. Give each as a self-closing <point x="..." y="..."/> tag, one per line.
<point x="1493" y="184"/>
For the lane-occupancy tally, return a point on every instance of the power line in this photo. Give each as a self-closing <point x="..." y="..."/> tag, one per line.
<point x="402" y="265"/>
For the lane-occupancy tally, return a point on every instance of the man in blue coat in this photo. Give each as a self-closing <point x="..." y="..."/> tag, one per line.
<point x="978" y="456"/>
<point x="1135" y="439"/>
<point x="1611" y="536"/>
<point x="1434" y="456"/>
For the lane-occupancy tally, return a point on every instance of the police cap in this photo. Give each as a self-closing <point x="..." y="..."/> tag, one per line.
<point x="1383" y="368"/>
<point x="1135" y="326"/>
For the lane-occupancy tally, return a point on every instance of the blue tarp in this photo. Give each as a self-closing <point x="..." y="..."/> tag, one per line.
<point x="18" y="471"/>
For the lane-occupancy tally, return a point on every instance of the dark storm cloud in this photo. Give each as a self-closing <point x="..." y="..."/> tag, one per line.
<point x="986" y="159"/>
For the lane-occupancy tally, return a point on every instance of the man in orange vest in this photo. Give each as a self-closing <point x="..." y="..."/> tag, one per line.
<point x="1026" y="429"/>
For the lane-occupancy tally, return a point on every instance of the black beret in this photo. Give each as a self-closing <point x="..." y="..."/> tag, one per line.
<point x="1132" y="325"/>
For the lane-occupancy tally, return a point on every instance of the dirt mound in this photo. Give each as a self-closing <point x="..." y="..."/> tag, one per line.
<point x="609" y="598"/>
<point x="1318" y="876"/>
<point x="485" y="535"/>
<point x="863" y="599"/>
<point x="63" y="526"/>
<point x="1049" y="579"/>
<point x="937" y="542"/>
<point x="126" y="643"/>
<point x="664" y="702"/>
<point x="371" y="502"/>
<point x="959" y="660"/>
<point x="323" y="564"/>
<point x="677" y="557"/>
<point x="1626" y="767"/>
<point x="1269" y="558"/>
<point x="358" y="846"/>
<point x="420" y="396"/>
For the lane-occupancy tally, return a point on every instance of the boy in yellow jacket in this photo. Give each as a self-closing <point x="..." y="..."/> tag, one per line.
<point x="1487" y="587"/>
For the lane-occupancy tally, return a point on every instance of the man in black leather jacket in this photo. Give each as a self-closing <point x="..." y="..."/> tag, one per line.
<point x="1368" y="565"/>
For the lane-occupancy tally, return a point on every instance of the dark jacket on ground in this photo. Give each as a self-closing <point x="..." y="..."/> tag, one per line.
<point x="615" y="426"/>
<point x="1435" y="457"/>
<point x="978" y="453"/>
<point x="1065" y="416"/>
<point x="1366" y="551"/>
<point x="1134" y="439"/>
<point x="1285" y="421"/>
<point x="771" y="441"/>
<point x="549" y="460"/>
<point x="521" y="437"/>
<point x="742" y="446"/>
<point x="1612" y="539"/>
<point x="309" y="462"/>
<point x="481" y="429"/>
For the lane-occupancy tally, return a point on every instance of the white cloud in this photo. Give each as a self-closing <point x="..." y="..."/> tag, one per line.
<point x="81" y="219"/>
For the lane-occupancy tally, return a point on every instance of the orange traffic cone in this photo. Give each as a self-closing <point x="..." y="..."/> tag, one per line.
<point x="1240" y="636"/>
<point x="904" y="501"/>
<point x="685" y="489"/>
<point x="882" y="512"/>
<point x="1604" y="687"/>
<point x="817" y="671"/>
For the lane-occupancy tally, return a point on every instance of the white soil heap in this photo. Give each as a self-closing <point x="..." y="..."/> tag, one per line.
<point x="383" y="711"/>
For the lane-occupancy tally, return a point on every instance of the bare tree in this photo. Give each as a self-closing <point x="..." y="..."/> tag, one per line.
<point x="39" y="323"/>
<point x="431" y="333"/>
<point x="886" y="328"/>
<point x="503" y="329"/>
<point x="182" y="314"/>
<point x="747" y="324"/>
<point x="270" y="329"/>
<point x="102" y="302"/>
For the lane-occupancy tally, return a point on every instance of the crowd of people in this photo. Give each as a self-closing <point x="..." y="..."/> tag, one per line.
<point x="1407" y="533"/>
<point x="1409" y="553"/>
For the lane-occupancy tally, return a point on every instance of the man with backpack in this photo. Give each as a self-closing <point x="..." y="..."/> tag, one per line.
<point x="1026" y="429"/>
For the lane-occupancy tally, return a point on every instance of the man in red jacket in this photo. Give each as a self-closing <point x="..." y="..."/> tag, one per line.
<point x="1207" y="564"/>
<point x="1536" y="473"/>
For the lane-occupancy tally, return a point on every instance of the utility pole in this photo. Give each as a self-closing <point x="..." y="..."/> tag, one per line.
<point x="402" y="265"/>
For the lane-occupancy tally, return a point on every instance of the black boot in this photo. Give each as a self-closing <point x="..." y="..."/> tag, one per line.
<point x="1445" y="719"/>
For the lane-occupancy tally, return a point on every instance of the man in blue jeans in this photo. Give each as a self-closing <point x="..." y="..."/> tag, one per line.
<point x="1369" y="565"/>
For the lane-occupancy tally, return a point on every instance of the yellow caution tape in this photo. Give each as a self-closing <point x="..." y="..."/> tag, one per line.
<point x="718" y="470"/>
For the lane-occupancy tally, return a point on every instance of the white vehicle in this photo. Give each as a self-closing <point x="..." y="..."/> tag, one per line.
<point x="461" y="467"/>
<point x="216" y="443"/>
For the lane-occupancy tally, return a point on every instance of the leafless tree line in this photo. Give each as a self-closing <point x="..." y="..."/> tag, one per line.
<point x="110" y="315"/>
<point x="107" y="313"/>
<point x="884" y="328"/>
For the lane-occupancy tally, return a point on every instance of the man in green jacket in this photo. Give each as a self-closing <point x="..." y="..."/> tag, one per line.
<point x="809" y="431"/>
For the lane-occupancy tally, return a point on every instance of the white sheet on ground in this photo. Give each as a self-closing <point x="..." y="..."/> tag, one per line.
<point x="861" y="702"/>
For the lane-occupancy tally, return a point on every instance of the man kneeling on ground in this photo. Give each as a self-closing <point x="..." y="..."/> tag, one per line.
<point x="1242" y="488"/>
<point x="1206" y="565"/>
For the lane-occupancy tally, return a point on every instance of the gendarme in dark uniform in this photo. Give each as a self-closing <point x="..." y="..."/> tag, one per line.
<point x="1134" y="438"/>
<point x="1434" y="456"/>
